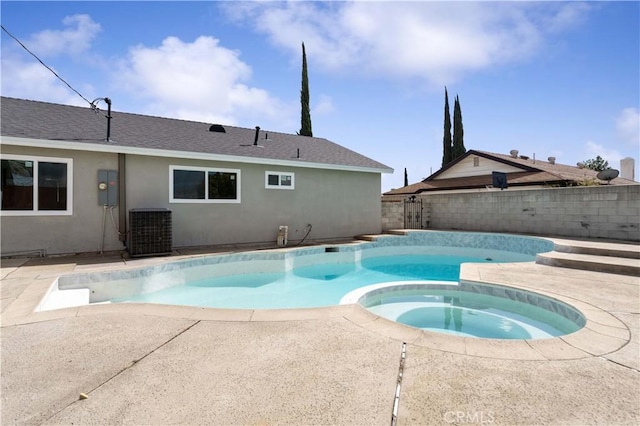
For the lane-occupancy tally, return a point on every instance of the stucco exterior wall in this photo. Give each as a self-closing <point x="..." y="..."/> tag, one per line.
<point x="583" y="212"/>
<point x="338" y="204"/>
<point x="78" y="233"/>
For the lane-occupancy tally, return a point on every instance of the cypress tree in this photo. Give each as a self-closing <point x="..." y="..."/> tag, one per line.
<point x="305" y="129"/>
<point x="406" y="177"/>
<point x="446" y="139"/>
<point x="458" y="132"/>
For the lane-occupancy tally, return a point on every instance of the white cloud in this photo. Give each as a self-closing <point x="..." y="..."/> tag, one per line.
<point x="74" y="39"/>
<point x="437" y="41"/>
<point x="24" y="77"/>
<point x="567" y="15"/>
<point x="28" y="80"/>
<point x="198" y="80"/>
<point x="628" y="126"/>
<point x="612" y="156"/>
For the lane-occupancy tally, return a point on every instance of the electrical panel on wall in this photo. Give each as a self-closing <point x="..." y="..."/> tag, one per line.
<point x="108" y="188"/>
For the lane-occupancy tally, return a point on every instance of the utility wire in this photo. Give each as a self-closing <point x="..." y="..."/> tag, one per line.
<point x="45" y="65"/>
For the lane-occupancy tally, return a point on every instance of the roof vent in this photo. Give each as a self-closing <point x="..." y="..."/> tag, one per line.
<point x="255" y="139"/>
<point x="524" y="157"/>
<point x="217" y="128"/>
<point x="552" y="160"/>
<point x="514" y="153"/>
<point x="580" y="165"/>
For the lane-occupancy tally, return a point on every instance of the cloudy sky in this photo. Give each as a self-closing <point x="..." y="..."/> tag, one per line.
<point x="547" y="78"/>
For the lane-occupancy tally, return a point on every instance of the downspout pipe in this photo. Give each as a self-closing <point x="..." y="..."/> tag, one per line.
<point x="122" y="198"/>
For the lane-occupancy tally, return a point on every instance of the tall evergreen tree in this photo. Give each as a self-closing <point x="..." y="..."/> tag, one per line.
<point x="458" y="131"/>
<point x="305" y="129"/>
<point x="406" y="177"/>
<point x="446" y="139"/>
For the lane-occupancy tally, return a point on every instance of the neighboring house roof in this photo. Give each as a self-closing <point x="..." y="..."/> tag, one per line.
<point x="523" y="171"/>
<point x="41" y="124"/>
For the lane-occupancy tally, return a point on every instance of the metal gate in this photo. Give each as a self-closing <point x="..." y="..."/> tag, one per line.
<point x="413" y="213"/>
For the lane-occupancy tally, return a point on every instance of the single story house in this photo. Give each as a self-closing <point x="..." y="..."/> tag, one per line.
<point x="481" y="171"/>
<point x="73" y="179"/>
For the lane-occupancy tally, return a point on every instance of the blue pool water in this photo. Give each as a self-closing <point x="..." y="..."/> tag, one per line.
<point x="308" y="286"/>
<point x="393" y="276"/>
<point x="470" y="314"/>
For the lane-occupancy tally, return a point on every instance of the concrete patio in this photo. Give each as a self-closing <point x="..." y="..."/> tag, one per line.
<point x="155" y="364"/>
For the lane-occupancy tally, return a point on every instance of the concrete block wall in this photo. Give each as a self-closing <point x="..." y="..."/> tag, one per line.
<point x="392" y="215"/>
<point x="611" y="212"/>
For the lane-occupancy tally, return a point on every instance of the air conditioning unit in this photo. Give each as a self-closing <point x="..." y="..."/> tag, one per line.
<point x="149" y="232"/>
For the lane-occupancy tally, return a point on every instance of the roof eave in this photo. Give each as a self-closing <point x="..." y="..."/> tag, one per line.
<point x="485" y="155"/>
<point x="119" y="149"/>
<point x="451" y="188"/>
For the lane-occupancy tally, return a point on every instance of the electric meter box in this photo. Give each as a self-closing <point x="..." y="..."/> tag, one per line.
<point x="108" y="188"/>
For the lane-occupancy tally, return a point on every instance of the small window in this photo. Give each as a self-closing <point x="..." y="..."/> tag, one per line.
<point x="36" y="186"/>
<point x="279" y="180"/>
<point x="476" y="161"/>
<point x="273" y="180"/>
<point x="203" y="185"/>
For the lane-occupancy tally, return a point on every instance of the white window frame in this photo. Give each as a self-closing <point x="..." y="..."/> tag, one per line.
<point x="206" y="171"/>
<point x="280" y="175"/>
<point x="36" y="162"/>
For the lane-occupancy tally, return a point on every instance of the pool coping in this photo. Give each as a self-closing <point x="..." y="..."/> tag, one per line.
<point x="603" y="333"/>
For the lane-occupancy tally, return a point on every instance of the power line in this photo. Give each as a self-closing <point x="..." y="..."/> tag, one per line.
<point x="45" y="65"/>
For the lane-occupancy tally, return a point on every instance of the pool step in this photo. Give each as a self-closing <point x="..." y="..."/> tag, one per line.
<point x="591" y="262"/>
<point x="366" y="237"/>
<point x="630" y="251"/>
<point x="374" y="237"/>
<point x="59" y="299"/>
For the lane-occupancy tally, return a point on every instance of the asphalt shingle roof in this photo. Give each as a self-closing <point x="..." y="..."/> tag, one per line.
<point x="534" y="172"/>
<point x="47" y="121"/>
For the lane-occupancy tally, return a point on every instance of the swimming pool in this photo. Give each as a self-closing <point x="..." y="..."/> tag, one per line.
<point x="294" y="278"/>
<point x="301" y="277"/>
<point x="312" y="286"/>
